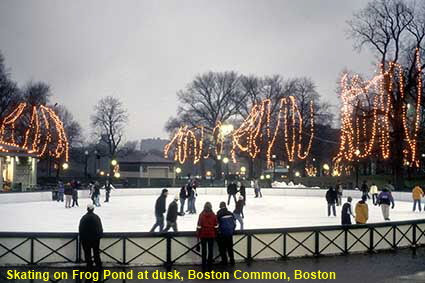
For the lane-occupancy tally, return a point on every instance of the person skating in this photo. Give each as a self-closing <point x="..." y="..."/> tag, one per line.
<point x="96" y="193"/>
<point x="242" y="192"/>
<point x="339" y="192"/>
<point x="160" y="210"/>
<point x="172" y="214"/>
<point x="183" y="197"/>
<point x="74" y="194"/>
<point x="91" y="232"/>
<point x="189" y="190"/>
<point x="257" y="188"/>
<point x="385" y="199"/>
<point x="108" y="187"/>
<point x="374" y="192"/>
<point x="226" y="229"/>
<point x="68" y="195"/>
<point x="362" y="211"/>
<point x="232" y="190"/>
<point x="207" y="232"/>
<point x="61" y="190"/>
<point x="365" y="189"/>
<point x="417" y="194"/>
<point x="192" y="194"/>
<point x="331" y="198"/>
<point x="238" y="212"/>
<point x="346" y="212"/>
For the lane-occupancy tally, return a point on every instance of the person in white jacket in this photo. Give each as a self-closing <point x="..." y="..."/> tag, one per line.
<point x="374" y="192"/>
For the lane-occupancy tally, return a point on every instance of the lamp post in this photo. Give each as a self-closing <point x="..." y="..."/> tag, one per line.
<point x="178" y="171"/>
<point x="274" y="166"/>
<point x="86" y="159"/>
<point x="357" y="153"/>
<point x="226" y="162"/>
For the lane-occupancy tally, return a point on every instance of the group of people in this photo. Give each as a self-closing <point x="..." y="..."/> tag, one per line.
<point x="384" y="199"/>
<point x="68" y="192"/>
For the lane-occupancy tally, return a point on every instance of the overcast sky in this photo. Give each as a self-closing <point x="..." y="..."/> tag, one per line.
<point x="145" y="51"/>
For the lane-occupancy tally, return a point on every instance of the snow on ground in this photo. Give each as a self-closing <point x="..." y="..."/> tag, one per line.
<point x="135" y="213"/>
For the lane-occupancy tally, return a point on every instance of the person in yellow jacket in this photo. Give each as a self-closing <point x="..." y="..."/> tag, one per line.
<point x="417" y="194"/>
<point x="362" y="211"/>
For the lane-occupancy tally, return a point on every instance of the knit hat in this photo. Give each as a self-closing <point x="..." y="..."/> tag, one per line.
<point x="90" y="206"/>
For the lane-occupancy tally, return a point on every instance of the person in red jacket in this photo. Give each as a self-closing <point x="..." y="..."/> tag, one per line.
<point x="207" y="232"/>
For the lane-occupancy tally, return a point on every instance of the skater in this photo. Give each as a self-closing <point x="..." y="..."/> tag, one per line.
<point x="207" y="232"/>
<point x="172" y="214"/>
<point x="365" y="189"/>
<point x="232" y="190"/>
<point x="183" y="197"/>
<point x="417" y="194"/>
<point x="74" y="194"/>
<point x="257" y="189"/>
<point x="331" y="198"/>
<point x="61" y="190"/>
<point x="91" y="231"/>
<point x="160" y="210"/>
<point x="91" y="191"/>
<point x="385" y="198"/>
<point x="374" y="192"/>
<point x="242" y="192"/>
<point x="96" y="194"/>
<point x="226" y="229"/>
<point x="346" y="212"/>
<point x="68" y="195"/>
<point x="238" y="212"/>
<point x="192" y="199"/>
<point x="339" y="191"/>
<point x="362" y="211"/>
<point x="108" y="187"/>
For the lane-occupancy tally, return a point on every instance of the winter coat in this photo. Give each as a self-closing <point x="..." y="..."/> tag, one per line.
<point x="74" y="194"/>
<point x="232" y="189"/>
<point x="172" y="212"/>
<point x="374" y="189"/>
<point x="239" y="207"/>
<point x="417" y="193"/>
<point x="226" y="222"/>
<point x="160" y="205"/>
<point x="183" y="193"/>
<point x="242" y="191"/>
<point x="189" y="190"/>
<point x="385" y="198"/>
<point x="90" y="227"/>
<point x="331" y="196"/>
<point x="365" y="188"/>
<point x="346" y="214"/>
<point x="68" y="191"/>
<point x="362" y="212"/>
<point x="207" y="225"/>
<point x="61" y="187"/>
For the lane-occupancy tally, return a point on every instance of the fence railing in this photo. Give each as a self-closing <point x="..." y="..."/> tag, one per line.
<point x="21" y="248"/>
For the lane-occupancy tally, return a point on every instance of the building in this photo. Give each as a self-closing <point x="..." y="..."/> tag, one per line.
<point x="141" y="168"/>
<point x="155" y="144"/>
<point x="18" y="168"/>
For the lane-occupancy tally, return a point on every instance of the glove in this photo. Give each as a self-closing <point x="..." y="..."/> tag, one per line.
<point x="392" y="207"/>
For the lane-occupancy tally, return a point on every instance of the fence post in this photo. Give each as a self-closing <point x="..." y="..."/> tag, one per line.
<point x="371" y="239"/>
<point x="285" y="255"/>
<point x="394" y="237"/>
<point x="345" y="240"/>
<point x="249" y="248"/>
<point x="124" y="256"/>
<point x="32" y="251"/>
<point x="77" y="249"/>
<point x="316" y="243"/>
<point x="168" y="262"/>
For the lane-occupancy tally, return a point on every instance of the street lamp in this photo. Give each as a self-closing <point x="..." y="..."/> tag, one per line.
<point x="86" y="159"/>
<point x="178" y="171"/>
<point x="243" y="170"/>
<point x="117" y="175"/>
<point x="274" y="165"/>
<point x="102" y="173"/>
<point x="114" y="162"/>
<point x="297" y="174"/>
<point x="326" y="167"/>
<point x="357" y="153"/>
<point x="65" y="166"/>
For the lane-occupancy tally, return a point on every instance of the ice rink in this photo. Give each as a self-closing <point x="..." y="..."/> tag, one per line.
<point x="136" y="213"/>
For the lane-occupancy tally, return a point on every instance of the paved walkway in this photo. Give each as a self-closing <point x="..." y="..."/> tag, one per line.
<point x="390" y="267"/>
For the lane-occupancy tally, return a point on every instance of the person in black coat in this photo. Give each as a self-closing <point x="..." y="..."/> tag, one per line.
<point x="242" y="191"/>
<point x="183" y="196"/>
<point x="365" y="189"/>
<point x="91" y="232"/>
<point x="331" y="198"/>
<point x="346" y="212"/>
<point x="226" y="229"/>
<point x="160" y="210"/>
<point x="232" y="190"/>
<point x="172" y="214"/>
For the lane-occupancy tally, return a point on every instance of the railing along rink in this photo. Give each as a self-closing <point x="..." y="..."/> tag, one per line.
<point x="168" y="249"/>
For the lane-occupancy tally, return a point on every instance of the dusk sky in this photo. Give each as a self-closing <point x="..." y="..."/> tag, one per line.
<point x="145" y="51"/>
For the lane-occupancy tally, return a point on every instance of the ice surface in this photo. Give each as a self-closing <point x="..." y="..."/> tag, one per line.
<point x="135" y="213"/>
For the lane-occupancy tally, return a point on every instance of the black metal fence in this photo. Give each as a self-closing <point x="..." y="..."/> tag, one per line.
<point x="181" y="248"/>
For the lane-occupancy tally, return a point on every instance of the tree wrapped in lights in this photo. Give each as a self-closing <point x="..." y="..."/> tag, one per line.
<point x="368" y="114"/>
<point x="37" y="129"/>
<point x="285" y="126"/>
<point x="187" y="143"/>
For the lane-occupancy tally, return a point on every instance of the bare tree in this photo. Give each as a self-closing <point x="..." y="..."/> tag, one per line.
<point x="71" y="126"/>
<point x="9" y="92"/>
<point x="109" y="120"/>
<point x="393" y="30"/>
